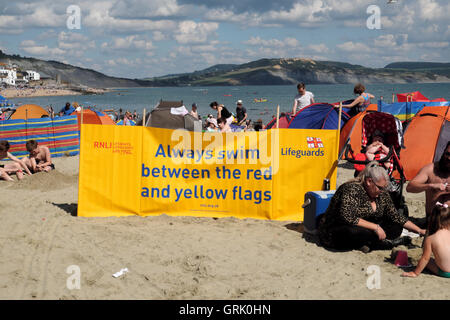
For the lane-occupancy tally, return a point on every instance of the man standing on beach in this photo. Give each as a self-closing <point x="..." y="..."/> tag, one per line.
<point x="302" y="99"/>
<point x="194" y="112"/>
<point x="434" y="180"/>
<point x="241" y="113"/>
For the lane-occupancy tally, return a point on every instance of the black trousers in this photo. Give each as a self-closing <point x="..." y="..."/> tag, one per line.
<point x="349" y="237"/>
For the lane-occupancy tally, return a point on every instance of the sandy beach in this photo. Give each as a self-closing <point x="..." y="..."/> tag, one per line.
<point x="179" y="257"/>
<point x="41" y="92"/>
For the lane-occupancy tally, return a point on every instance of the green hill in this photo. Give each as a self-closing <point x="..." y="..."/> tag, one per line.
<point x="431" y="67"/>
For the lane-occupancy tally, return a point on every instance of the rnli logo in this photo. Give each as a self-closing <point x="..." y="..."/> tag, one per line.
<point x="314" y="143"/>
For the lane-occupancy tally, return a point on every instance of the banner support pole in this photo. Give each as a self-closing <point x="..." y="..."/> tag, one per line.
<point x="143" y="118"/>
<point x="278" y="116"/>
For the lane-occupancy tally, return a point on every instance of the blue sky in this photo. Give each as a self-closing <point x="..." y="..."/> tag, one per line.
<point x="145" y="38"/>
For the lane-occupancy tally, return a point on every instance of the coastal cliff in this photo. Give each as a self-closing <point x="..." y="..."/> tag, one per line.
<point x="260" y="72"/>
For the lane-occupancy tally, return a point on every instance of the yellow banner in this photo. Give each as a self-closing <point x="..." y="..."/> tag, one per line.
<point x="150" y="171"/>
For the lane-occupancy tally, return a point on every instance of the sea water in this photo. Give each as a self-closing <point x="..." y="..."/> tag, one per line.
<point x="147" y="98"/>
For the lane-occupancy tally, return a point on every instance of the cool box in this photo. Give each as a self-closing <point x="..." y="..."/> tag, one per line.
<point x="316" y="203"/>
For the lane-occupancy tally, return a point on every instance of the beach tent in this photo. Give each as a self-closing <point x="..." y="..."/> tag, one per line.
<point x="351" y="131"/>
<point x="172" y="115"/>
<point x="425" y="139"/>
<point x="28" y="111"/>
<point x="93" y="117"/>
<point x="283" y="122"/>
<point x="415" y="96"/>
<point x="407" y="110"/>
<point x="319" y="116"/>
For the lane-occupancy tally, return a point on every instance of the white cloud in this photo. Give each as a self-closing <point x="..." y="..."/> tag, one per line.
<point x="351" y="46"/>
<point x="309" y="13"/>
<point x="319" y="48"/>
<point x="130" y="42"/>
<point x="145" y="8"/>
<point x="100" y="20"/>
<point x="158" y="36"/>
<point x="74" y="41"/>
<point x="437" y="45"/>
<point x="28" y="43"/>
<point x="193" y="32"/>
<point x="287" y="42"/>
<point x="44" y="51"/>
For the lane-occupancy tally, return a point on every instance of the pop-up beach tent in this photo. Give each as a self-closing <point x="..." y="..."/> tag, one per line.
<point x="425" y="139"/>
<point x="172" y="115"/>
<point x="319" y="116"/>
<point x="93" y="117"/>
<point x="28" y="111"/>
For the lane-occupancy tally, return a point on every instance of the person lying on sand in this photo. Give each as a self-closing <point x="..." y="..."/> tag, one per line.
<point x="39" y="159"/>
<point x="438" y="243"/>
<point x="15" y="167"/>
<point x="434" y="180"/>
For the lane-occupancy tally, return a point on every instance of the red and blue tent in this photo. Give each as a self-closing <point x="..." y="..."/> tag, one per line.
<point x="319" y="116"/>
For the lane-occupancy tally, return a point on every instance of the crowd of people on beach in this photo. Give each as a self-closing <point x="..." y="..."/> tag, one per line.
<point x="361" y="215"/>
<point x="128" y="118"/>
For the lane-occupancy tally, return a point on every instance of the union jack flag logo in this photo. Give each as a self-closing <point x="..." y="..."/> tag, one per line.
<point x="314" y="142"/>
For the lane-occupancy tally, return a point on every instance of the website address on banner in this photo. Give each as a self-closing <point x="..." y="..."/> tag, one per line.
<point x="204" y="205"/>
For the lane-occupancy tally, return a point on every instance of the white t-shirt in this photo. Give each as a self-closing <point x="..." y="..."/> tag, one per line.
<point x="304" y="100"/>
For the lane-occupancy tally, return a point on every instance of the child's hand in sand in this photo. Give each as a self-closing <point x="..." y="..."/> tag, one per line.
<point x="409" y="274"/>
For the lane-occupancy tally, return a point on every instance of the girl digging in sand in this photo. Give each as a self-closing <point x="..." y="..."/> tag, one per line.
<point x="438" y="243"/>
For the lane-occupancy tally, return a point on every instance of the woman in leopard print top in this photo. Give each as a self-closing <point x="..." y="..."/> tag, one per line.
<point x="361" y="213"/>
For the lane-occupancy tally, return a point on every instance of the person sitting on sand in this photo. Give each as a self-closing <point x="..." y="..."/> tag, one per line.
<point x="376" y="150"/>
<point x="222" y="112"/>
<point x="361" y="215"/>
<point x="39" y="159"/>
<point x="15" y="167"/>
<point x="434" y="180"/>
<point x="223" y="125"/>
<point x="361" y="102"/>
<point x="437" y="242"/>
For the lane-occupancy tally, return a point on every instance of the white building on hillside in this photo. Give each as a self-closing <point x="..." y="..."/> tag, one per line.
<point x="12" y="76"/>
<point x="32" y="75"/>
<point x="8" y="75"/>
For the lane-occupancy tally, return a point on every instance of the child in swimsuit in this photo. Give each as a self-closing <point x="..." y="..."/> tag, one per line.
<point x="436" y="243"/>
<point x="15" y="166"/>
